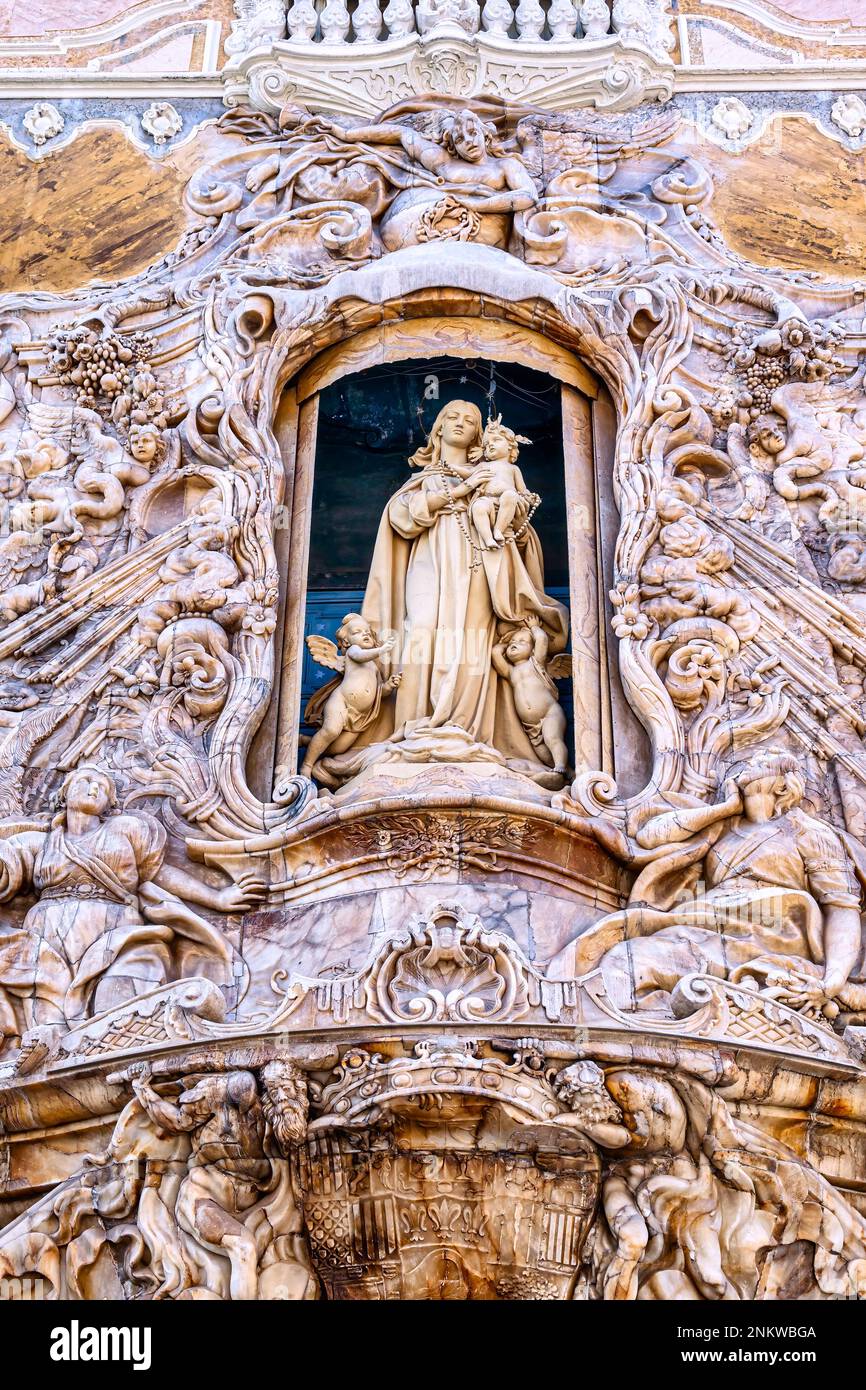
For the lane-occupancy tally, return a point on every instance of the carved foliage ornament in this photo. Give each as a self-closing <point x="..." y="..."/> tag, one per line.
<point x="43" y="122"/>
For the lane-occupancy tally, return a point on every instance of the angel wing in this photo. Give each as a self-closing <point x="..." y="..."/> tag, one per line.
<point x="559" y="667"/>
<point x="51" y="421"/>
<point x="323" y="651"/>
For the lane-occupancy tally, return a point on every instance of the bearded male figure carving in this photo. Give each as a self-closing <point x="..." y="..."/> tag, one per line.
<point x="450" y="599"/>
<point x="751" y="888"/>
<point x="111" y="919"/>
<point x="235" y="1200"/>
<point x="193" y="1197"/>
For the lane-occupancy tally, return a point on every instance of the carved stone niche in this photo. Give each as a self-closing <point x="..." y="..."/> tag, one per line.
<point x="166" y="427"/>
<point x="421" y="327"/>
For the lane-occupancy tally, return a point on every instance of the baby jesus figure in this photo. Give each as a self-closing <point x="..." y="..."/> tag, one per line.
<point x="497" y="504"/>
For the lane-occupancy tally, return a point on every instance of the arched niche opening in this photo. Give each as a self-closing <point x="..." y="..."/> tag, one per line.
<point x="348" y="424"/>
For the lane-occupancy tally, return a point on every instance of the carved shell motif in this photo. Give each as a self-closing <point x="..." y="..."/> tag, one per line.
<point x="447" y="968"/>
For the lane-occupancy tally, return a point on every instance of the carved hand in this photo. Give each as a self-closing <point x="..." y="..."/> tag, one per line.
<point x="477" y="478"/>
<point x="249" y="889"/>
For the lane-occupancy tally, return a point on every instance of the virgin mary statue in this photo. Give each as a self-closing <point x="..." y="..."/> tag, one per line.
<point x="449" y="599"/>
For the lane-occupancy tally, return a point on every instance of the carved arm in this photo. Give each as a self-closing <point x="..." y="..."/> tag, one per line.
<point x="672" y="827"/>
<point x="248" y="889"/>
<point x="500" y="665"/>
<point x="841" y="946"/>
<point x="167" y="1116"/>
<point x="541" y="644"/>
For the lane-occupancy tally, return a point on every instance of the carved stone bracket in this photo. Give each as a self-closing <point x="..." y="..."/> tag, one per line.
<point x="361" y="79"/>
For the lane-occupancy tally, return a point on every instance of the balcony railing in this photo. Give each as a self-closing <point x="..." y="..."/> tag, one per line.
<point x="533" y="21"/>
<point x="360" y="57"/>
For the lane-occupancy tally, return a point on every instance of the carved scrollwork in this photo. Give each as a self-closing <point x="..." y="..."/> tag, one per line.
<point x="447" y="969"/>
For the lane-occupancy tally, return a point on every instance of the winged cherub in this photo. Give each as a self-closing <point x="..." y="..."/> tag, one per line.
<point x="345" y="707"/>
<point x="520" y="657"/>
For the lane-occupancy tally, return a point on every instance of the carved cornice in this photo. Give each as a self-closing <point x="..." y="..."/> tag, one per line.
<point x="361" y="79"/>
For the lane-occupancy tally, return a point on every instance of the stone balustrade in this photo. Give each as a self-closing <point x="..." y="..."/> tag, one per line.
<point x="557" y="21"/>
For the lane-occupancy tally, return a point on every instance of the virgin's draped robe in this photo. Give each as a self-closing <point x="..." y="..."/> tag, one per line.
<point x="423" y="587"/>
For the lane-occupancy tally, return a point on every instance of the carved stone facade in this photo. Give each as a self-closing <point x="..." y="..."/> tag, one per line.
<point x="494" y="937"/>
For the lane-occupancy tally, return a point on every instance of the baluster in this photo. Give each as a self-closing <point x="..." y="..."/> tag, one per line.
<point x="430" y="14"/>
<point x="367" y="21"/>
<point x="595" y="19"/>
<point x="497" y="16"/>
<point x="335" y="21"/>
<point x="302" y="21"/>
<point x="562" y="18"/>
<point x="470" y="16"/>
<point x="399" y="18"/>
<point x="530" y="19"/>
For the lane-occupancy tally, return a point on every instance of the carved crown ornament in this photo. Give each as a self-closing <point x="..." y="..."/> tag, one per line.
<point x="446" y="908"/>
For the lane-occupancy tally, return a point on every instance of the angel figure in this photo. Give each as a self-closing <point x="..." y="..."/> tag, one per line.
<point x="521" y="659"/>
<point x="344" y="707"/>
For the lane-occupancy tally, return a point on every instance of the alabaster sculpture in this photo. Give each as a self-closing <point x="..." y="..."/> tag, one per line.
<point x="432" y="861"/>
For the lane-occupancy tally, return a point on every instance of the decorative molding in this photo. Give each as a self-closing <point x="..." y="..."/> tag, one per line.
<point x="732" y="117"/>
<point x="161" y="121"/>
<point x="361" y="79"/>
<point x="42" y="122"/>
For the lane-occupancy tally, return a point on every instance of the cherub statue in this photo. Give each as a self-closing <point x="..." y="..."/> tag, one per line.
<point x="496" y="504"/>
<point x="520" y="658"/>
<point x="345" y="707"/>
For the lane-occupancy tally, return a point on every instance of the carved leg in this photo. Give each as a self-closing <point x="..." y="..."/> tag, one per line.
<point x="630" y="1231"/>
<point x="508" y="504"/>
<point x="217" y="1228"/>
<point x="483" y="510"/>
<point x="640" y="973"/>
<point x="319" y="745"/>
<point x="553" y="733"/>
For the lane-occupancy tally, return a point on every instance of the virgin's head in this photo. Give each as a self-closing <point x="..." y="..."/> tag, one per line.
<point x="88" y="789"/>
<point x="457" y="427"/>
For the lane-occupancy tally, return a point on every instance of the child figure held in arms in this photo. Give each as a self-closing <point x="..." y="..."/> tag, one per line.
<point x="496" y="504"/>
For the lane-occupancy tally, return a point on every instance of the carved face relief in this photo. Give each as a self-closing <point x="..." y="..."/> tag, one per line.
<point x="520" y="646"/>
<point x="469" y="138"/>
<point x="89" y="792"/>
<point x="143" y="443"/>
